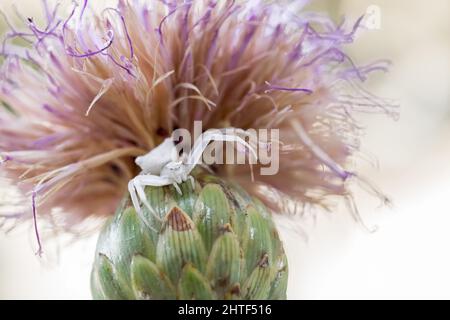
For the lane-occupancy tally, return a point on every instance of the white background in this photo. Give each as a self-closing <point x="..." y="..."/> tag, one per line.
<point x="409" y="256"/>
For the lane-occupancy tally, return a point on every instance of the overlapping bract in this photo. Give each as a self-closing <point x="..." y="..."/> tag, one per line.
<point x="213" y="242"/>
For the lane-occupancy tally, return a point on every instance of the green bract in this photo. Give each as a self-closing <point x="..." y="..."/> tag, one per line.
<point x="212" y="242"/>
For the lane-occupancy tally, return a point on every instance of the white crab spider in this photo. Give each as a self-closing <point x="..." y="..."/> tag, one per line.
<point x="163" y="166"/>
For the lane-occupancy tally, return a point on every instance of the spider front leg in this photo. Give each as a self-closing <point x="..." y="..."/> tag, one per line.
<point x="137" y="193"/>
<point x="191" y="178"/>
<point x="214" y="135"/>
<point x="177" y="187"/>
<point x="132" y="189"/>
<point x="134" y="197"/>
<point x="143" y="198"/>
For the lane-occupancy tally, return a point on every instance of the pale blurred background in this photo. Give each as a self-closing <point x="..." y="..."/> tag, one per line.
<point x="408" y="257"/>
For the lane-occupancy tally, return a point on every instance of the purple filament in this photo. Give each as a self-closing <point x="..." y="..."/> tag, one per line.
<point x="92" y="53"/>
<point x="68" y="19"/>
<point x="83" y="9"/>
<point x="271" y="87"/>
<point x="36" y="230"/>
<point x="124" y="67"/>
<point x="243" y="46"/>
<point x="162" y="22"/>
<point x="159" y="29"/>
<point x="127" y="34"/>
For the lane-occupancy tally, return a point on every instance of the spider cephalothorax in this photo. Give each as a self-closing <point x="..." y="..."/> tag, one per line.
<point x="164" y="166"/>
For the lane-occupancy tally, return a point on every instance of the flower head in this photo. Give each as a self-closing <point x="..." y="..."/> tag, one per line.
<point x="91" y="91"/>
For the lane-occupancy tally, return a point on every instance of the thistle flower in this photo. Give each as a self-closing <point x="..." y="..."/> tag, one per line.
<point x="93" y="90"/>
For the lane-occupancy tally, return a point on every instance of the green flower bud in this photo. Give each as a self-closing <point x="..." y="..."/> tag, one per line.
<point x="212" y="242"/>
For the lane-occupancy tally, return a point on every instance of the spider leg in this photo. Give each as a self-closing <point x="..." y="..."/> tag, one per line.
<point x="134" y="197"/>
<point x="213" y="135"/>
<point x="143" y="198"/>
<point x="136" y="190"/>
<point x="151" y="180"/>
<point x="177" y="187"/>
<point x="191" y="178"/>
<point x="135" y="200"/>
